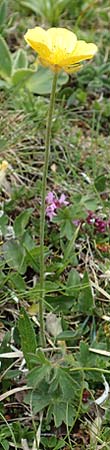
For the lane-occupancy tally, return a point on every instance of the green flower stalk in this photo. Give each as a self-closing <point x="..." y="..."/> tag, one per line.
<point x="42" y="213"/>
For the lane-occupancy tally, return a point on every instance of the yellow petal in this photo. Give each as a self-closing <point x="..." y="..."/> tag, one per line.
<point x="82" y="52"/>
<point x="61" y="39"/>
<point x="62" y="43"/>
<point x="48" y="63"/>
<point x="37" y="39"/>
<point x="72" y="69"/>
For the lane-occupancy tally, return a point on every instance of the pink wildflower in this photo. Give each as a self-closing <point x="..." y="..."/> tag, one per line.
<point x="50" y="211"/>
<point x="50" y="197"/>
<point x="54" y="203"/>
<point x="61" y="201"/>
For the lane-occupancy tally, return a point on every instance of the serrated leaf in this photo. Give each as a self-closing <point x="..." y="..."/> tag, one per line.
<point x="67" y="384"/>
<point x="86" y="300"/>
<point x="28" y="337"/>
<point x="59" y="412"/>
<point x="63" y="412"/>
<point x="39" y="358"/>
<point x="5" y="60"/>
<point x="21" y="221"/>
<point x="38" y="374"/>
<point x="40" y="399"/>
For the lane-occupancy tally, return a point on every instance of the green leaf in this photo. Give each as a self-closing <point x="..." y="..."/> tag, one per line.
<point x="88" y="359"/>
<point x="5" y="60"/>
<point x="60" y="444"/>
<point x="11" y="374"/>
<point x="39" y="358"/>
<point x="20" y="60"/>
<point x="29" y="243"/>
<point x="32" y="258"/>
<point x="40" y="399"/>
<point x="63" y="412"/>
<point x="68" y="249"/>
<point x="21" y="221"/>
<point x="38" y="374"/>
<point x="14" y="255"/>
<point x="3" y="12"/>
<point x="59" y="412"/>
<point x="5" y="444"/>
<point x="27" y="335"/>
<point x="41" y="81"/>
<point x="86" y="300"/>
<point x="84" y="356"/>
<point x="31" y="4"/>
<point x="49" y="9"/>
<point x="67" y="384"/>
<point x="49" y="442"/>
<point x="20" y="76"/>
<point x="17" y="281"/>
<point x="73" y="283"/>
<point x="67" y="229"/>
<point x="60" y="302"/>
<point x="100" y="183"/>
<point x="65" y="335"/>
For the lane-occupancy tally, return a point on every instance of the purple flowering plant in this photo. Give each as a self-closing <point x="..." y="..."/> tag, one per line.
<point x="54" y="203"/>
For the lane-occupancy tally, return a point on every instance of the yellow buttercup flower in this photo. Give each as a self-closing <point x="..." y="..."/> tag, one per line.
<point x="59" y="48"/>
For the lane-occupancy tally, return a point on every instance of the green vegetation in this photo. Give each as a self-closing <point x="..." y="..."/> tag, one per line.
<point x="51" y="398"/>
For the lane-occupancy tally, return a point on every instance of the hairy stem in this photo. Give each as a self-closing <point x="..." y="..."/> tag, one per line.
<point x="42" y="212"/>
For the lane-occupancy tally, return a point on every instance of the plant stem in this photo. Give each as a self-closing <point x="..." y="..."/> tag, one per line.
<point x="42" y="212"/>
